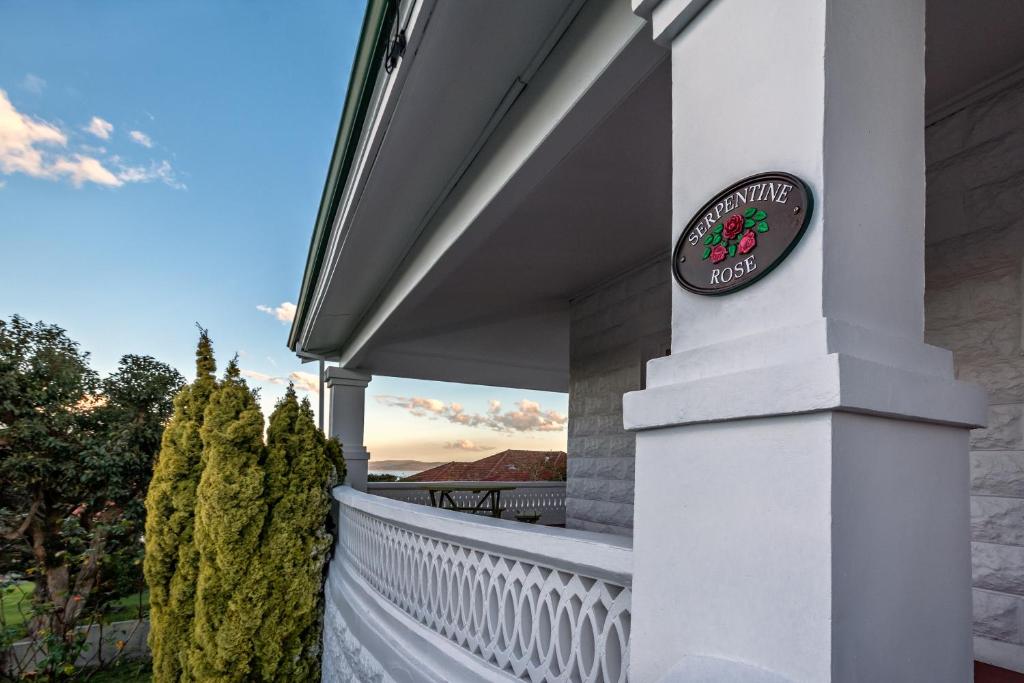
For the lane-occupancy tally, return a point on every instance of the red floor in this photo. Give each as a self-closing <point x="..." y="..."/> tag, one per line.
<point x="985" y="673"/>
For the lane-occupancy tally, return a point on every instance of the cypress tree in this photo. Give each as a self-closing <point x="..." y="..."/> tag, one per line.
<point x="171" y="564"/>
<point x="230" y="514"/>
<point x="299" y="472"/>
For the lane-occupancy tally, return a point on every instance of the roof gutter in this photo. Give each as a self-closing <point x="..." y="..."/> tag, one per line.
<point x="373" y="43"/>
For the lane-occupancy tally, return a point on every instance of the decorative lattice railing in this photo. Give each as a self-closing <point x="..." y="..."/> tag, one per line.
<point x="544" y="497"/>
<point x="540" y="604"/>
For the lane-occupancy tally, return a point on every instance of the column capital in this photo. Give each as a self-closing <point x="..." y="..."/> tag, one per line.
<point x="668" y="18"/>
<point x="338" y="377"/>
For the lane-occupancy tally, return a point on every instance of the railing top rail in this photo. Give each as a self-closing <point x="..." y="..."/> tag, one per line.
<point x="424" y="485"/>
<point x="604" y="556"/>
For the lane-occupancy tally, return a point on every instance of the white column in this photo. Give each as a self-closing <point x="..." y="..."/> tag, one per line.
<point x="348" y="405"/>
<point x="801" y="508"/>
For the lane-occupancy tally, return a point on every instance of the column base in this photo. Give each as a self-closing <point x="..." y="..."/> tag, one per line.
<point x="357" y="462"/>
<point x="826" y="546"/>
<point x="807" y="520"/>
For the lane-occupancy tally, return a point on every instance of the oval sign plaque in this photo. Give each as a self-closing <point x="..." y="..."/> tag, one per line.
<point x="742" y="233"/>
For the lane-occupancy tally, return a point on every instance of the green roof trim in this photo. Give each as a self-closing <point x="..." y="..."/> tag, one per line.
<point x="373" y="43"/>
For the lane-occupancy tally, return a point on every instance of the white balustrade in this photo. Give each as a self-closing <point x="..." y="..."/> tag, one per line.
<point x="537" y="603"/>
<point x="545" y="497"/>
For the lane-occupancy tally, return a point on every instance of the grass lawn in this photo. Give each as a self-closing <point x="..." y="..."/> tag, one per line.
<point x="122" y="610"/>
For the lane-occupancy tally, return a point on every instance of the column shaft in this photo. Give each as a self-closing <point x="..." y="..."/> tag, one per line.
<point x="348" y="405"/>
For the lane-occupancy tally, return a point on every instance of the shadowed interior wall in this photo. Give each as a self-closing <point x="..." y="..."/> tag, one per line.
<point x="614" y="331"/>
<point x="973" y="307"/>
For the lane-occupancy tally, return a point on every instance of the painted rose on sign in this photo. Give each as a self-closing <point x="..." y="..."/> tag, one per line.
<point x="747" y="242"/>
<point x="725" y="239"/>
<point x="729" y="244"/>
<point x="732" y="226"/>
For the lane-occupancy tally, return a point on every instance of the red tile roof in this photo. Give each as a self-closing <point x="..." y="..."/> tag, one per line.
<point x="508" y="465"/>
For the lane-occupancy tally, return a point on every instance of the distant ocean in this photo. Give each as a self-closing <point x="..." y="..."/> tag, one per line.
<point x="401" y="474"/>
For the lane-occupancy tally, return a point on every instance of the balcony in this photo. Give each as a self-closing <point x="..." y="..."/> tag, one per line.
<point x="417" y="593"/>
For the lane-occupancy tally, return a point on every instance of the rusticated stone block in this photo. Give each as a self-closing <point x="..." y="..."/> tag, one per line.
<point x="998" y="567"/>
<point x="990" y="297"/>
<point x="580" y="512"/>
<point x="584" y="525"/>
<point x="611" y="490"/>
<point x="994" y="116"/>
<point x="998" y="473"/>
<point x="1003" y="432"/>
<point x="946" y="138"/>
<point x="1003" y="378"/>
<point x="997" y="520"/>
<point x="996" y="203"/>
<point x="997" y="616"/>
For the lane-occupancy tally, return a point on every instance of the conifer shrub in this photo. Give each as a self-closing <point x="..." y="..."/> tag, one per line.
<point x="231" y="510"/>
<point x="171" y="564"/>
<point x="295" y="544"/>
<point x="237" y="536"/>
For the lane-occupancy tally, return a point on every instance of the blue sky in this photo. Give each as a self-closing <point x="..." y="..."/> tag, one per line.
<point x="161" y="163"/>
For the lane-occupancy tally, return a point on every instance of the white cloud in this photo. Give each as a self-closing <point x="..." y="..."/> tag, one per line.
<point x="162" y="172"/>
<point x="141" y="138"/>
<point x="263" y="377"/>
<point x="100" y="128"/>
<point x="34" y="84"/>
<point x="528" y="417"/>
<point x="465" y="445"/>
<point x="82" y="169"/>
<point x="22" y="140"/>
<point x="285" y="312"/>
<point x="38" y="149"/>
<point x="305" y="381"/>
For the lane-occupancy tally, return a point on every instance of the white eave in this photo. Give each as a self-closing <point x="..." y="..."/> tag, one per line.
<point x="488" y="99"/>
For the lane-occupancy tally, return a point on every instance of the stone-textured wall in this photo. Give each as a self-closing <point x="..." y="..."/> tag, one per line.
<point x="614" y="331"/>
<point x="973" y="307"/>
<point x="344" y="658"/>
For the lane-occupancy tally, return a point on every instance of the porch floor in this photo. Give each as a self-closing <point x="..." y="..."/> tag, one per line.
<point x="986" y="673"/>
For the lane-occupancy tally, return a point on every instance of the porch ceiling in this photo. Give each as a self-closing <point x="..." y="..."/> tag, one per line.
<point x="484" y="209"/>
<point x="496" y="309"/>
<point x="424" y="280"/>
<point x="968" y="44"/>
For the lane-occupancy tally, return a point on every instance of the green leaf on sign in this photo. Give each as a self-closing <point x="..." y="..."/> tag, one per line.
<point x="708" y="238"/>
<point x="748" y="223"/>
<point x="718" y="238"/>
<point x="732" y="250"/>
<point x="760" y="216"/>
<point x="718" y="229"/>
<point x="707" y="252"/>
<point x="749" y="212"/>
<point x="762" y="227"/>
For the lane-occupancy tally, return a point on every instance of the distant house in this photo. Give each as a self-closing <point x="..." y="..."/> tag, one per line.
<point x="510" y="465"/>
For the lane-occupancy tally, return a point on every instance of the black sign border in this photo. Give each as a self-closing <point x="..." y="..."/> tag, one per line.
<point x="690" y="225"/>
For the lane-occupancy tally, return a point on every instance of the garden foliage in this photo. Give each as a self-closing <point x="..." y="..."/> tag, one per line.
<point x="76" y="455"/>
